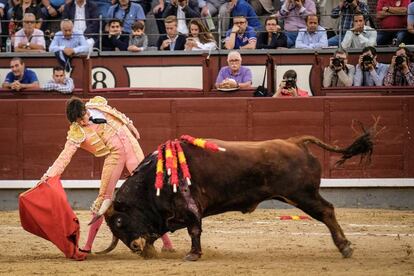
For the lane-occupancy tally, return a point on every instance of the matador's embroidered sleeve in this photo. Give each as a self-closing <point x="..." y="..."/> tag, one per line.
<point x="76" y="136"/>
<point x="63" y="159"/>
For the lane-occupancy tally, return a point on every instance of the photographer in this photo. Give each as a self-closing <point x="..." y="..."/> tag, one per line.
<point x="368" y="71"/>
<point x="360" y="35"/>
<point x="339" y="72"/>
<point x="288" y="86"/>
<point x="401" y="70"/>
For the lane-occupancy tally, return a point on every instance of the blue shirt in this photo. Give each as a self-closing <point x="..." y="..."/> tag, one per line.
<point x="136" y="12"/>
<point x="28" y="77"/>
<point x="243" y="75"/>
<point x="315" y="40"/>
<point x="244" y="8"/>
<point x="77" y="41"/>
<point x="370" y="78"/>
<point x="243" y="39"/>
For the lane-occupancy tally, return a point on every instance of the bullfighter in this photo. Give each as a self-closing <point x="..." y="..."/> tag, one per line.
<point x="103" y="131"/>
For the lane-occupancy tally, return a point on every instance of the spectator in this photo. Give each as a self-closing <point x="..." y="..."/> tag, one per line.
<point x="339" y="73"/>
<point x="401" y="70"/>
<point x="360" y="35"/>
<point x="410" y="24"/>
<point x="210" y="8"/>
<point x="314" y="36"/>
<point x="234" y="75"/>
<point x="346" y="10"/>
<point x="392" y="16"/>
<point x="158" y="11"/>
<point x="262" y="7"/>
<point x="20" y="77"/>
<point x="294" y="12"/>
<point x="85" y="18"/>
<point x="241" y="36"/>
<point x="368" y="71"/>
<point x="172" y="41"/>
<point x="115" y="39"/>
<point x="183" y="12"/>
<point x="29" y="39"/>
<point x="26" y="6"/>
<point x="59" y="82"/>
<point x="52" y="11"/>
<point x="288" y="86"/>
<point x="273" y="38"/>
<point x="68" y="43"/>
<point x="234" y="8"/>
<point x="4" y="6"/>
<point x="103" y="7"/>
<point x="199" y="38"/>
<point x="127" y="12"/>
<point x="138" y="40"/>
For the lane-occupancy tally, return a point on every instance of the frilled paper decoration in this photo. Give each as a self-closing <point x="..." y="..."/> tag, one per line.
<point x="172" y="154"/>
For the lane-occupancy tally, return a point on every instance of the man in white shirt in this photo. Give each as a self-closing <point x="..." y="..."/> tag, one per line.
<point x="360" y="36"/>
<point x="29" y="39"/>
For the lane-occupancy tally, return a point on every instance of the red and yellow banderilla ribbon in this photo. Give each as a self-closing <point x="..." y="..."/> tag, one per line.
<point x="202" y="143"/>
<point x="174" y="155"/>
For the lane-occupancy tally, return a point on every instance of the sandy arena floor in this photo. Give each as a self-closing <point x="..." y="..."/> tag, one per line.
<point x="233" y="244"/>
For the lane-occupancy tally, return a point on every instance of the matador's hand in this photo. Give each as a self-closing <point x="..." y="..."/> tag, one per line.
<point x="96" y="205"/>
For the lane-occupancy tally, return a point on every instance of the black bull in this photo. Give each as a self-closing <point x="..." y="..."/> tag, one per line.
<point x="238" y="179"/>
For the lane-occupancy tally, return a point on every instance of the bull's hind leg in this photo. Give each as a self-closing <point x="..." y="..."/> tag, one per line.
<point x="194" y="231"/>
<point x="322" y="210"/>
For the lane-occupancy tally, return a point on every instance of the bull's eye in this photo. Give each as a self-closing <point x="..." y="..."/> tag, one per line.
<point x="118" y="222"/>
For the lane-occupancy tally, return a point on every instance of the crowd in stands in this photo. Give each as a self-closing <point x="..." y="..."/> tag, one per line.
<point x="230" y="24"/>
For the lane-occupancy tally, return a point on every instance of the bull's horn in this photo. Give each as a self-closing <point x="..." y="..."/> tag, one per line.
<point x="104" y="207"/>
<point x="138" y="243"/>
<point x="110" y="247"/>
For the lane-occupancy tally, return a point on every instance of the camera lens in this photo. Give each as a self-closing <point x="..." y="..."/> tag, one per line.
<point x="399" y="60"/>
<point x="336" y="62"/>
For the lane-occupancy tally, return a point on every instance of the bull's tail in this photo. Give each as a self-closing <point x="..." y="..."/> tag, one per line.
<point x="363" y="145"/>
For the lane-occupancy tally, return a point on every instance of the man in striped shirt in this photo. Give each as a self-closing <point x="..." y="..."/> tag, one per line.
<point x="60" y="82"/>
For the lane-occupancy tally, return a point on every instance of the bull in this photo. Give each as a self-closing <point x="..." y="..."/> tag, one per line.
<point x="238" y="179"/>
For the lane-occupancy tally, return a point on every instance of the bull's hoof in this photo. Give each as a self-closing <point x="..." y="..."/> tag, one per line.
<point x="149" y="252"/>
<point x="192" y="257"/>
<point x="347" y="251"/>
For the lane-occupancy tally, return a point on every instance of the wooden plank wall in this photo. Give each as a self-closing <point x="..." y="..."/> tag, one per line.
<point x="32" y="132"/>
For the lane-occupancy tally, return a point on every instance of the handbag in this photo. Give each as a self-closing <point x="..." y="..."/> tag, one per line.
<point x="261" y="90"/>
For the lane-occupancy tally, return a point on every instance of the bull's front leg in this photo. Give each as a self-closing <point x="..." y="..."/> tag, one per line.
<point x="195" y="233"/>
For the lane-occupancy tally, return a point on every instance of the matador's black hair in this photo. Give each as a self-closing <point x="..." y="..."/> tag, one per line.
<point x="75" y="109"/>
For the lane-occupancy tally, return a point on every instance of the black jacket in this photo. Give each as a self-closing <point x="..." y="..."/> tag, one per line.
<point x="190" y="12"/>
<point x="278" y="40"/>
<point x="121" y="42"/>
<point x="91" y="12"/>
<point x="179" y="43"/>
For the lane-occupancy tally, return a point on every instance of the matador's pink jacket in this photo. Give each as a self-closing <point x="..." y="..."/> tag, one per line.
<point x="96" y="138"/>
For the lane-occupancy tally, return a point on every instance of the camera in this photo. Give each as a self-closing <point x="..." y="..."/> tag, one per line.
<point x="399" y="60"/>
<point x="367" y="60"/>
<point x="290" y="82"/>
<point x="337" y="62"/>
